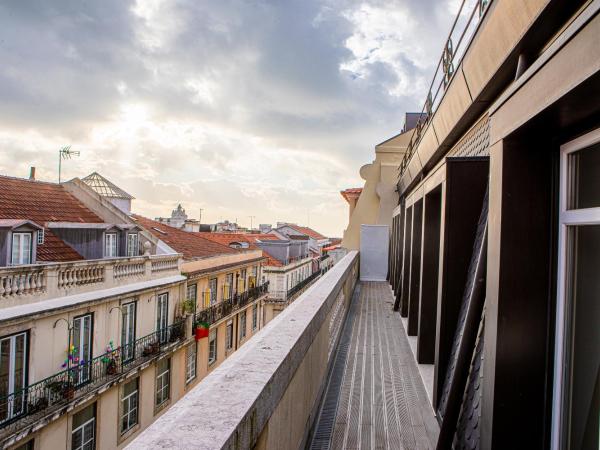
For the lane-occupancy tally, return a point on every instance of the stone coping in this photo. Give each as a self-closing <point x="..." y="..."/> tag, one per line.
<point x="231" y="406"/>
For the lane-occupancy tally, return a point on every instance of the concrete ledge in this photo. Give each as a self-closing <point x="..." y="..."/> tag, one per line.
<point x="231" y="407"/>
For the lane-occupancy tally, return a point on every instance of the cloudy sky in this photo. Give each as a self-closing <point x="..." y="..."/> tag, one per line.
<point x="262" y="108"/>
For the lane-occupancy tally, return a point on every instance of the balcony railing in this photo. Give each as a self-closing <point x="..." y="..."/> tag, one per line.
<point x="224" y="308"/>
<point x="41" y="281"/>
<point x="463" y="29"/>
<point x="285" y="296"/>
<point x="39" y="399"/>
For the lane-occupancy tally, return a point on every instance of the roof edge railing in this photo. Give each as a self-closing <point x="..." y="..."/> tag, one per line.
<point x="461" y="32"/>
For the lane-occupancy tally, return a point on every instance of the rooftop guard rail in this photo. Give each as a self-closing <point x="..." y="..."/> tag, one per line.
<point x="43" y="397"/>
<point x="55" y="279"/>
<point x="224" y="308"/>
<point x="267" y="393"/>
<point x="461" y="34"/>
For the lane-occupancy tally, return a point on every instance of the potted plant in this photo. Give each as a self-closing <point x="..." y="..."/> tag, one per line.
<point x="38" y="404"/>
<point x="201" y="330"/>
<point x="151" y="349"/>
<point x="111" y="367"/>
<point x="188" y="306"/>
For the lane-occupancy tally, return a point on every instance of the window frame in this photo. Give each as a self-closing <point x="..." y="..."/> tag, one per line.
<point x="83" y="373"/>
<point x="165" y="386"/>
<point x="243" y="325"/>
<point x="191" y="370"/>
<point x="113" y="235"/>
<point x="123" y="412"/>
<point x="568" y="219"/>
<point x="212" y="342"/>
<point x="12" y="338"/>
<point x="82" y="428"/>
<point x="254" y="316"/>
<point x="40" y="236"/>
<point x="162" y="321"/>
<point x="135" y="251"/>
<point x="229" y="335"/>
<point x="129" y="344"/>
<point x="21" y="234"/>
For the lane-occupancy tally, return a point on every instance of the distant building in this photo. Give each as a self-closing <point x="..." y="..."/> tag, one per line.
<point x="179" y="219"/>
<point x="265" y="228"/>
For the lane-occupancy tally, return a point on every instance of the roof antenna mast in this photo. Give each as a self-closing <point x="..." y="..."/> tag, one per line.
<point x="65" y="153"/>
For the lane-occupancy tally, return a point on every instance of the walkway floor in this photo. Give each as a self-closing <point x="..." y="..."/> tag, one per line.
<point x="375" y="398"/>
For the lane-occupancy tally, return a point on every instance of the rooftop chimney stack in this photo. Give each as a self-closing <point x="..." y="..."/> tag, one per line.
<point x="32" y="173"/>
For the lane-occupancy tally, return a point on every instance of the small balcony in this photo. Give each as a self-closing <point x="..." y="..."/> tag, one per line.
<point x="45" y="400"/>
<point x="332" y="370"/>
<point x="293" y="292"/>
<point x="224" y="308"/>
<point x="35" y="282"/>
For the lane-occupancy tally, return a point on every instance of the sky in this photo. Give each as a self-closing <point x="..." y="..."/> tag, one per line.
<point x="263" y="108"/>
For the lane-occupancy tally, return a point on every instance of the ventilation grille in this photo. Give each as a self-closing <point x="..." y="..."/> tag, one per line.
<point x="475" y="142"/>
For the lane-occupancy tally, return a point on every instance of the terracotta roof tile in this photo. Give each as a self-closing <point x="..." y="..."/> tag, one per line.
<point x="191" y="245"/>
<point x="307" y="231"/>
<point x="228" y="238"/>
<point x="43" y="202"/>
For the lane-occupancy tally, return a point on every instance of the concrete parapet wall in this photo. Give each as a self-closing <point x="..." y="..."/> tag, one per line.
<point x="267" y="393"/>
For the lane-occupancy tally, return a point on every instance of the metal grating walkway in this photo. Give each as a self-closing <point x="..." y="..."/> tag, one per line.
<point x="375" y="398"/>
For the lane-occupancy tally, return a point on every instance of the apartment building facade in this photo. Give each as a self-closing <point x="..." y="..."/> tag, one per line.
<point x="225" y="289"/>
<point x="91" y="336"/>
<point x="495" y="240"/>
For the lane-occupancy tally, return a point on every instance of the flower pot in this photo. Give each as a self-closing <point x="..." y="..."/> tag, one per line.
<point x="200" y="333"/>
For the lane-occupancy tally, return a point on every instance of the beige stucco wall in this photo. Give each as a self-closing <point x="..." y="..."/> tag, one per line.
<point x="378" y="197"/>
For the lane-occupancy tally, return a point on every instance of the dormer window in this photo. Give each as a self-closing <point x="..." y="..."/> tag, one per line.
<point x="21" y="248"/>
<point x="110" y="245"/>
<point x="132" y="244"/>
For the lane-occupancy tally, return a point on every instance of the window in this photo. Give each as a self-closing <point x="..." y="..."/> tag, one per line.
<point x="110" y="245"/>
<point x="229" y="335"/>
<point x="40" y="241"/>
<point x="212" y="286"/>
<point x="13" y="371"/>
<point x="82" y="341"/>
<point x="192" y="294"/>
<point x="190" y="362"/>
<point x="242" y="281"/>
<point x="128" y="313"/>
<point x="577" y="379"/>
<point x="21" y="248"/>
<point x="132" y="244"/>
<point x="254" y="316"/>
<point x="162" y="316"/>
<point x="130" y="400"/>
<point x="162" y="380"/>
<point x="212" y="346"/>
<point x="228" y="286"/>
<point x="83" y="436"/>
<point x="242" y="325"/>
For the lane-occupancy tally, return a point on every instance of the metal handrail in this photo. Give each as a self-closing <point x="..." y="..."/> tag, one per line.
<point x="450" y="59"/>
<point x="38" y="399"/>
<point x="224" y="308"/>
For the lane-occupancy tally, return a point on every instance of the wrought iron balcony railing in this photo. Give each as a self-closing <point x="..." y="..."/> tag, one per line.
<point x="39" y="399"/>
<point x="463" y="29"/>
<point x="224" y="308"/>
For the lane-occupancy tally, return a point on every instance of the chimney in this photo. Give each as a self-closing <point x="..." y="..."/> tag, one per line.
<point x="32" y="173"/>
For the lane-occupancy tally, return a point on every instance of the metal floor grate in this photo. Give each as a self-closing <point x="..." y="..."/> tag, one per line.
<point x="375" y="398"/>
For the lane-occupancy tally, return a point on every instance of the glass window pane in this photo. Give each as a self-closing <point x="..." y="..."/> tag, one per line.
<point x="83" y="416"/>
<point x="584" y="180"/>
<point x="583" y="392"/>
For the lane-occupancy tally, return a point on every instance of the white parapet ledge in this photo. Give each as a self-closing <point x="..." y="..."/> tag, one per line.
<point x="230" y="407"/>
<point x="46" y="306"/>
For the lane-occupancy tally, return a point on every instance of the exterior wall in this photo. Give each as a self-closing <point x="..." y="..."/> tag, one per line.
<point x="48" y="343"/>
<point x="378" y="197"/>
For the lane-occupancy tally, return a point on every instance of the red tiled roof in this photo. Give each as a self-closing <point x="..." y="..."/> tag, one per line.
<point x="55" y="250"/>
<point x="307" y="231"/>
<point x="354" y="192"/>
<point x="262" y="236"/>
<point x="228" y="238"/>
<point x="43" y="202"/>
<point x="271" y="260"/>
<point x="191" y="245"/>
